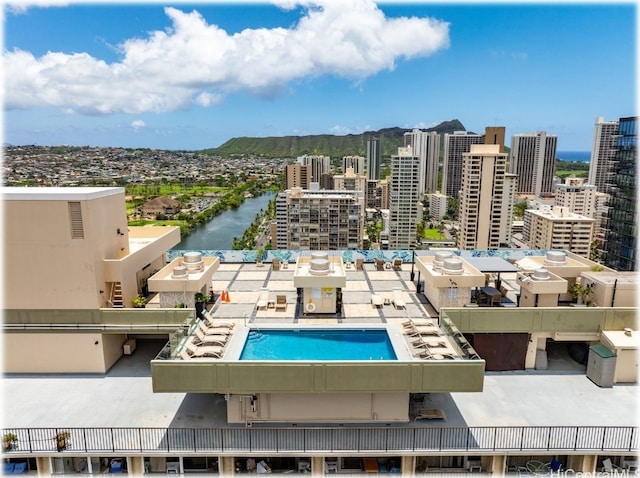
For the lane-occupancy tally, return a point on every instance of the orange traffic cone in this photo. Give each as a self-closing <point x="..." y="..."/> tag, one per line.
<point x="224" y="296"/>
<point x="228" y="298"/>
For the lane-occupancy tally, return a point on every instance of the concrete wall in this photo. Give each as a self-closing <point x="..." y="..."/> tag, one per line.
<point x="52" y="352"/>
<point x="301" y="407"/>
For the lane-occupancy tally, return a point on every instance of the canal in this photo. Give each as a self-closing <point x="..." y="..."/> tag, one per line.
<point x="219" y="232"/>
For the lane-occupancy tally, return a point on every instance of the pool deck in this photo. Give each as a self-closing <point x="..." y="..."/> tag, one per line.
<point x="123" y="397"/>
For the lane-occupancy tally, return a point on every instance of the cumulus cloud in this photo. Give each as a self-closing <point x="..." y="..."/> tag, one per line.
<point x="196" y="63"/>
<point x="137" y="124"/>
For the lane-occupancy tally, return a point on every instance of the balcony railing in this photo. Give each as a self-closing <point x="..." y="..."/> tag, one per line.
<point x="330" y="440"/>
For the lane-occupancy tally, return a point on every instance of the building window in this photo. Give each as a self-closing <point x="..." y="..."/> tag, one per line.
<point x="75" y="220"/>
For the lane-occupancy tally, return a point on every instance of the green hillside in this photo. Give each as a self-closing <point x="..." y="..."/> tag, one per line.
<point x="324" y="144"/>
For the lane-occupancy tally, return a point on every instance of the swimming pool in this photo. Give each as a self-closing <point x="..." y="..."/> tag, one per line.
<point x="318" y="344"/>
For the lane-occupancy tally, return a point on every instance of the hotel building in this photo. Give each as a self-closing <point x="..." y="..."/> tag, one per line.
<point x="175" y="390"/>
<point x="485" y="222"/>
<point x="558" y="228"/>
<point x="350" y="181"/>
<point x="603" y="153"/>
<point x="309" y="219"/>
<point x="532" y="158"/>
<point x="621" y="237"/>
<point x="578" y="196"/>
<point x="374" y="159"/>
<point x="405" y="209"/>
<point x="426" y="146"/>
<point x="354" y="162"/>
<point x="297" y="176"/>
<point x="455" y="145"/>
<point x="320" y="166"/>
<point x="438" y="205"/>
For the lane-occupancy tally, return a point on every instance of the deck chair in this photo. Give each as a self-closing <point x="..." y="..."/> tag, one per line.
<point x="419" y="331"/>
<point x="201" y="338"/>
<point x="397" y="264"/>
<point x="203" y="350"/>
<point x="359" y="264"/>
<point x="377" y="300"/>
<point x="379" y="265"/>
<point x="281" y="302"/>
<point x="411" y="323"/>
<point x="211" y="322"/>
<point x="398" y="301"/>
<point x="424" y="354"/>
<point x="263" y="299"/>
<point x="213" y="330"/>
<point x="275" y="264"/>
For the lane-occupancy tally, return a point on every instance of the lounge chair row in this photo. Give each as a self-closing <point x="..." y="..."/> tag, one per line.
<point x="207" y="341"/>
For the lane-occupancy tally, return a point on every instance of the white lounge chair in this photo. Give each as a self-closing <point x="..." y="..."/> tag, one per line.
<point x="263" y="299"/>
<point x="201" y="338"/>
<point x="213" y="330"/>
<point x="418" y="323"/>
<point x="203" y="350"/>
<point x="281" y="302"/>
<point x="397" y="299"/>
<point x="377" y="300"/>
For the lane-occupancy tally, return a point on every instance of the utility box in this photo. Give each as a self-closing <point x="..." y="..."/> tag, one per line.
<point x="129" y="346"/>
<point x="601" y="365"/>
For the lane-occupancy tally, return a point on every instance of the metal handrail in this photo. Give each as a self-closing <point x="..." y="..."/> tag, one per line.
<point x="359" y="440"/>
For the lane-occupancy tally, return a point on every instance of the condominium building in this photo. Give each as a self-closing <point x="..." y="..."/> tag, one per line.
<point x="310" y="219"/>
<point x="354" y="162"/>
<point x="320" y="166"/>
<point x="621" y="238"/>
<point x="603" y="152"/>
<point x="350" y="181"/>
<point x="426" y="146"/>
<point x="482" y="199"/>
<point x="405" y="207"/>
<point x="532" y="158"/>
<point x="578" y="196"/>
<point x="185" y="391"/>
<point x="374" y="159"/>
<point x="455" y="145"/>
<point x="438" y="205"/>
<point x="558" y="228"/>
<point x="297" y="175"/>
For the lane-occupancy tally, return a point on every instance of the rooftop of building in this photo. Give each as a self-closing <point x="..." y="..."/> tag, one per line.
<point x="124" y="396"/>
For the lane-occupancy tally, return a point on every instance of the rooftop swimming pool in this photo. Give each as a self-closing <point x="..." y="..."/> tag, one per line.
<point x="318" y="344"/>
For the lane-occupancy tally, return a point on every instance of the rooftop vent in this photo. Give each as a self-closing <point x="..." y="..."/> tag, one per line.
<point x="193" y="262"/>
<point x="179" y="272"/>
<point x="439" y="259"/>
<point x="628" y="331"/>
<point x="540" y="274"/>
<point x="555" y="258"/>
<point x="452" y="266"/>
<point x="320" y="255"/>
<point x="319" y="267"/>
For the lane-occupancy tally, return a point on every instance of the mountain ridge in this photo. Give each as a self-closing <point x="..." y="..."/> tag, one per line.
<point x="324" y="144"/>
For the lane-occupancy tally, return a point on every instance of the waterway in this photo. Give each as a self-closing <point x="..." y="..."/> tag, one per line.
<point x="218" y="233"/>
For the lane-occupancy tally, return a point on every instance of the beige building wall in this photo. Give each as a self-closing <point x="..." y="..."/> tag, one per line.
<point x="41" y="258"/>
<point x="52" y="352"/>
<point x="319" y="407"/>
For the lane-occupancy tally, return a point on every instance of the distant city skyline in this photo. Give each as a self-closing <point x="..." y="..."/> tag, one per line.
<point x="194" y="75"/>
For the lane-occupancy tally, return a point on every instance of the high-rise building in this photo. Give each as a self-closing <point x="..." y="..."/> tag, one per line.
<point x="482" y="198"/>
<point x="621" y="238"/>
<point x="320" y="166"/>
<point x="405" y="207"/>
<point x="354" y="162"/>
<point x="438" y="205"/>
<point x="495" y="135"/>
<point x="532" y="159"/>
<point x="320" y="219"/>
<point x="578" y="196"/>
<point x="455" y="145"/>
<point x="559" y="229"/>
<point x="350" y="181"/>
<point x="426" y="146"/>
<point x="602" y="153"/>
<point x="297" y="175"/>
<point x="374" y="159"/>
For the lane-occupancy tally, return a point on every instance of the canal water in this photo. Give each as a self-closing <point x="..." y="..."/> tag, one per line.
<point x="218" y="233"/>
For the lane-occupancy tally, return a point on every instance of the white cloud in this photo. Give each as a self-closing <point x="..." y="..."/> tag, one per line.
<point x="340" y="130"/>
<point x="21" y="6"/>
<point x="137" y="124"/>
<point x="198" y="63"/>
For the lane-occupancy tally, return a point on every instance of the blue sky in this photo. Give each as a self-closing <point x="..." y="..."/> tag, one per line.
<point x="193" y="75"/>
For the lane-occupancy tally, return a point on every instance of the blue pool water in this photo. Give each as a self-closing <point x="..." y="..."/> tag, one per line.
<point x="318" y="344"/>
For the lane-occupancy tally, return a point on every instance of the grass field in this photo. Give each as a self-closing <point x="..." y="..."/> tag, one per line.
<point x="433" y="235"/>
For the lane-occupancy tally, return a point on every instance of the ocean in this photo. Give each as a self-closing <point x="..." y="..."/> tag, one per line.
<point x="582" y="156"/>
